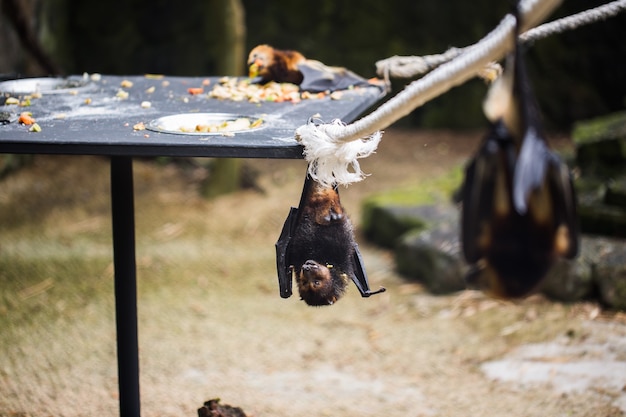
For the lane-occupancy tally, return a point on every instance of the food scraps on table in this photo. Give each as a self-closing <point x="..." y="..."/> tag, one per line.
<point x="226" y="126"/>
<point x="139" y="126"/>
<point x="241" y="89"/>
<point x="26" y="118"/>
<point x="195" y="90"/>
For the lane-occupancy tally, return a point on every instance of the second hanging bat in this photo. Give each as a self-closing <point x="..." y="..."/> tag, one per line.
<point x="519" y="206"/>
<point x="317" y="246"/>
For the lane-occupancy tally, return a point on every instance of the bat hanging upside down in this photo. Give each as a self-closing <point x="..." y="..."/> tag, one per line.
<point x="519" y="207"/>
<point x="317" y="245"/>
<point x="267" y="64"/>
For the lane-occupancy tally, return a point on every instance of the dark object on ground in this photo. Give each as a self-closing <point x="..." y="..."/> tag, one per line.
<point x="212" y="408"/>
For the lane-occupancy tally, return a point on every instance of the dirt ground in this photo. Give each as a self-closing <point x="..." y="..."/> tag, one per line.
<point x="213" y="325"/>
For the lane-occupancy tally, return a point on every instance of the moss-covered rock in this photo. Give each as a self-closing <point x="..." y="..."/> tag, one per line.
<point x="432" y="257"/>
<point x="601" y="145"/>
<point x="569" y="280"/>
<point x="383" y="225"/>
<point x="602" y="219"/>
<point x="590" y="189"/>
<point x="615" y="194"/>
<point x="610" y="275"/>
<point x="613" y="288"/>
<point x="602" y="205"/>
<point x="573" y="279"/>
<point x="389" y="214"/>
<point x="611" y="126"/>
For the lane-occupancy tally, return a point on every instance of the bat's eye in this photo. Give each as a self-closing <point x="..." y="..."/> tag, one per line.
<point x="317" y="282"/>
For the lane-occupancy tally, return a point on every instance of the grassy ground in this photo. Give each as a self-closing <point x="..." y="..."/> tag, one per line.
<point x="212" y="324"/>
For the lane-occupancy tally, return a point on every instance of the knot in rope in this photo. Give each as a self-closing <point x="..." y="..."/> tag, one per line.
<point x="411" y="66"/>
<point x="332" y="161"/>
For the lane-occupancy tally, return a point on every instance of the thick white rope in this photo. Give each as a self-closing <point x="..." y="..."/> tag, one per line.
<point x="413" y="66"/>
<point x="332" y="149"/>
<point x="574" y="21"/>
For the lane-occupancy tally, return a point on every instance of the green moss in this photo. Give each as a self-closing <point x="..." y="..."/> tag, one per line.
<point x="590" y="187"/>
<point x="386" y="208"/>
<point x="428" y="192"/>
<point x="390" y="223"/>
<point x="612" y="126"/>
<point x="602" y="219"/>
<point x="601" y="145"/>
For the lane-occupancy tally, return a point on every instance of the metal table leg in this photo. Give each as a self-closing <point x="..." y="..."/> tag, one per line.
<point x="123" y="216"/>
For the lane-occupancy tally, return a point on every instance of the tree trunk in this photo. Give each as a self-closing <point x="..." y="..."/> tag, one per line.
<point x="230" y="49"/>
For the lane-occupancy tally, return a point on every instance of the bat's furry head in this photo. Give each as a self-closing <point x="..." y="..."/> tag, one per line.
<point x="319" y="284"/>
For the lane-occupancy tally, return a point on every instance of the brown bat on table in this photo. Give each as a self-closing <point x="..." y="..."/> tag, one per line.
<point x="317" y="246"/>
<point x="267" y="64"/>
<point x="519" y="206"/>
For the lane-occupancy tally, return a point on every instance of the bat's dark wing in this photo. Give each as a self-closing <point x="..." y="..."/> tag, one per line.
<point x="492" y="164"/>
<point x="477" y="187"/>
<point x="283" y="263"/>
<point x="360" y="276"/>
<point x="319" y="77"/>
<point x="564" y="203"/>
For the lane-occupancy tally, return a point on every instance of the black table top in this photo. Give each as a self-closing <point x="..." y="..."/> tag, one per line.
<point x="93" y="120"/>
